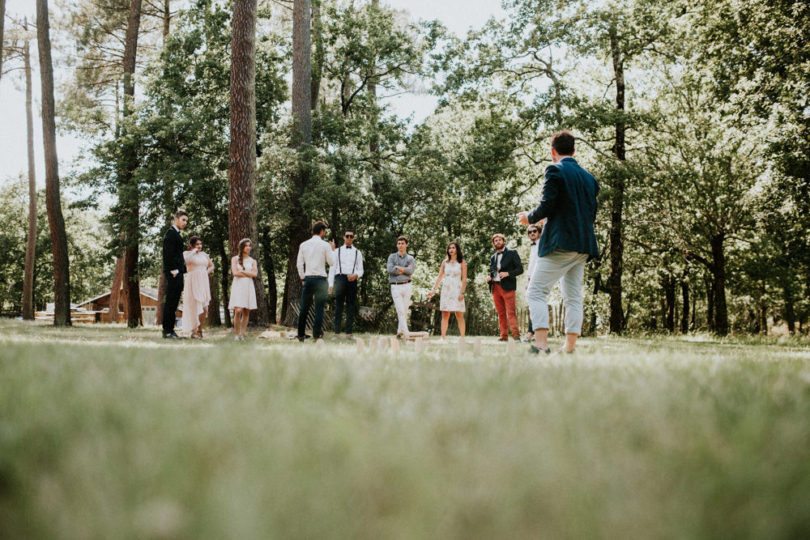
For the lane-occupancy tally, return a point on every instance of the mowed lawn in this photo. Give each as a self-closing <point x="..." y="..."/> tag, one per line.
<point x="112" y="433"/>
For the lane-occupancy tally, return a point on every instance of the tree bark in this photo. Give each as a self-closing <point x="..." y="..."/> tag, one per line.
<point x="790" y="309"/>
<point x="225" y="262"/>
<point x="2" y="27"/>
<point x="762" y="315"/>
<point x="374" y="142"/>
<point x="115" y="290"/>
<point x="242" y="149"/>
<point x="669" y="303"/>
<point x="719" y="274"/>
<point x="710" y="303"/>
<point x="272" y="295"/>
<point x="129" y="199"/>
<point x="214" y="318"/>
<point x="302" y="74"/>
<point x="686" y="307"/>
<point x="617" y="203"/>
<point x="301" y="139"/>
<point x="31" y="244"/>
<point x="161" y="297"/>
<point x="317" y="68"/>
<point x="56" y="221"/>
<point x="167" y="20"/>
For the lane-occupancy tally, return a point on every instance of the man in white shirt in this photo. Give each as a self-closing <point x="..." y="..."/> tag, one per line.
<point x="313" y="255"/>
<point x="343" y="278"/>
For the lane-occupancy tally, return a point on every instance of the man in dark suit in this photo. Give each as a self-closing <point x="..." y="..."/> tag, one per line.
<point x="504" y="267"/>
<point x="567" y="242"/>
<point x="174" y="266"/>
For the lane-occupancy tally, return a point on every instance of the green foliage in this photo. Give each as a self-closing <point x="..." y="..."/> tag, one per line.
<point x="714" y="183"/>
<point x="86" y="251"/>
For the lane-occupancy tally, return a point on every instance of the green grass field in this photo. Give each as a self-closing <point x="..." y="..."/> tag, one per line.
<point x="112" y="433"/>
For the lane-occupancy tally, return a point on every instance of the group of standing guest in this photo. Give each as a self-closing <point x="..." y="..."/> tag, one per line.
<point x="187" y="272"/>
<point x="560" y="230"/>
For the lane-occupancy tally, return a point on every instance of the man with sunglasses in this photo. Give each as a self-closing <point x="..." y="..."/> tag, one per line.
<point x="343" y="278"/>
<point x="533" y="232"/>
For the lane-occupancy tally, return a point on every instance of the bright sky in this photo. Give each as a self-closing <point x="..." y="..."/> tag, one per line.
<point x="457" y="15"/>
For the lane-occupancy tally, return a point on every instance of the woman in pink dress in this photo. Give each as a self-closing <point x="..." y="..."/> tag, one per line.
<point x="197" y="289"/>
<point x="243" y="292"/>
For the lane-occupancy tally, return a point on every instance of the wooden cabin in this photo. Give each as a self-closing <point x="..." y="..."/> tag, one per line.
<point x="149" y="302"/>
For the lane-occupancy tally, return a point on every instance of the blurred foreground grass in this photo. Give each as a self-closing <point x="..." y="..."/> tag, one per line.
<point x="112" y="433"/>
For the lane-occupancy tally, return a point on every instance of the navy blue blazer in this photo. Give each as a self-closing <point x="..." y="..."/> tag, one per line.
<point x="569" y="203"/>
<point x="510" y="262"/>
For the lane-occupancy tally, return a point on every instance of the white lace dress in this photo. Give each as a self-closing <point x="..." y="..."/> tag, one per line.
<point x="451" y="288"/>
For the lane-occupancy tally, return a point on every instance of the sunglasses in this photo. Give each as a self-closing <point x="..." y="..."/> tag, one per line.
<point x="348" y="236"/>
<point x="533" y="231"/>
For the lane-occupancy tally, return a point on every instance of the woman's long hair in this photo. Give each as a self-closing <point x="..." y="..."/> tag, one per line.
<point x="459" y="254"/>
<point x="242" y="243"/>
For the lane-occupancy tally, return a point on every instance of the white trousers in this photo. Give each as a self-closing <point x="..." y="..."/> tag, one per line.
<point x="559" y="264"/>
<point x="402" y="301"/>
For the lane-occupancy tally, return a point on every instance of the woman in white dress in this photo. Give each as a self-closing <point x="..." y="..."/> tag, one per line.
<point x="454" y="273"/>
<point x="197" y="288"/>
<point x="243" y="292"/>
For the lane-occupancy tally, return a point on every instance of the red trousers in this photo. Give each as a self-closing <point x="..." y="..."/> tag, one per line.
<point x="505" y="306"/>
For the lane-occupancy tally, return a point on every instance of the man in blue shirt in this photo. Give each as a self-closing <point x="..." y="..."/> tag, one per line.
<point x="400" y="268"/>
<point x="567" y="242"/>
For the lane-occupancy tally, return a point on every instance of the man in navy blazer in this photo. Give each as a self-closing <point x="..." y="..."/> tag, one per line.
<point x="504" y="267"/>
<point x="568" y="241"/>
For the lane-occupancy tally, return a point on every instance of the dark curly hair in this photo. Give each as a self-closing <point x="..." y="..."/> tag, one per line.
<point x="193" y="241"/>
<point x="459" y="254"/>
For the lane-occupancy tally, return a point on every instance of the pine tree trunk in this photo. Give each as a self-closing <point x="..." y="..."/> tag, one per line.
<point x="719" y="274"/>
<point x="129" y="199"/>
<point x="242" y="149"/>
<point x="617" y="202"/>
<point x="318" y="57"/>
<point x="374" y="142"/>
<point x="710" y="304"/>
<point x="224" y="277"/>
<point x="686" y="307"/>
<point x="214" y="318"/>
<point x="167" y="19"/>
<point x="53" y="203"/>
<point x="301" y="139"/>
<point x="669" y="304"/>
<point x="115" y="290"/>
<point x="2" y="27"/>
<point x="762" y="315"/>
<point x="790" y="309"/>
<point x="272" y="295"/>
<point x="161" y="297"/>
<point x="298" y="232"/>
<point x="302" y="74"/>
<point x="31" y="243"/>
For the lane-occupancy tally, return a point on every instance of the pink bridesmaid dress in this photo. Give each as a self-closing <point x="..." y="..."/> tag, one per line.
<point x="196" y="290"/>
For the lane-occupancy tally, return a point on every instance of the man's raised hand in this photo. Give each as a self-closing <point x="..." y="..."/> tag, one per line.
<point x="523" y="217"/>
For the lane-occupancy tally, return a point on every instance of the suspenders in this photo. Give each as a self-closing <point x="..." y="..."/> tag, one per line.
<point x="340" y="261"/>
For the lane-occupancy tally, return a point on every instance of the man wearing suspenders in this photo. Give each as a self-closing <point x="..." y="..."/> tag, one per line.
<point x="343" y="278"/>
